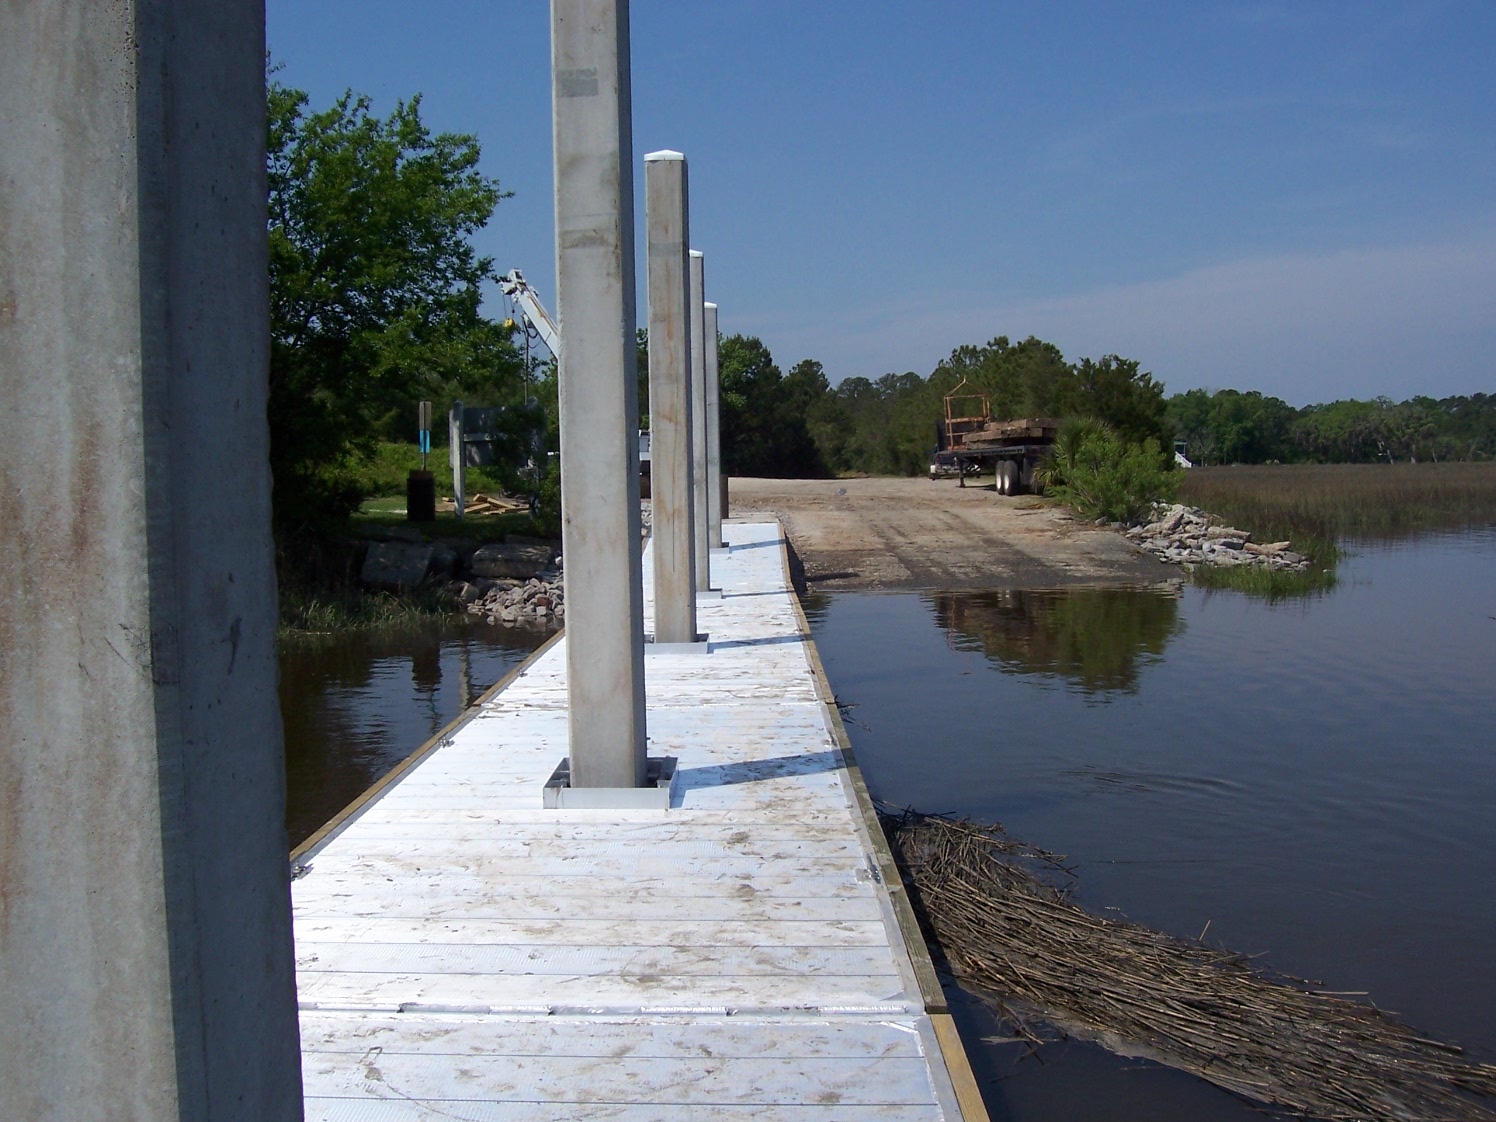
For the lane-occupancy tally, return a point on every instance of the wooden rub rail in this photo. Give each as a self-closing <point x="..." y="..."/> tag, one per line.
<point x="464" y="953"/>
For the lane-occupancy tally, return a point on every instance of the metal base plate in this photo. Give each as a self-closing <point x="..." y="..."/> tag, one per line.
<point x="655" y="795"/>
<point x="698" y="647"/>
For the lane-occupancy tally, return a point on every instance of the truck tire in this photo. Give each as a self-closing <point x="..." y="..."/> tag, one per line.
<point x="1019" y="484"/>
<point x="1007" y="478"/>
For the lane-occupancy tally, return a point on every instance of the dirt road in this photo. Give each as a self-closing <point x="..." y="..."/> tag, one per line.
<point x="918" y="533"/>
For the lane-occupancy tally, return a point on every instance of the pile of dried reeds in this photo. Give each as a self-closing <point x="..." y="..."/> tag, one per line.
<point x="999" y="912"/>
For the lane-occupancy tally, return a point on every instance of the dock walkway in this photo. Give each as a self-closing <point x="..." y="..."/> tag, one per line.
<point x="463" y="953"/>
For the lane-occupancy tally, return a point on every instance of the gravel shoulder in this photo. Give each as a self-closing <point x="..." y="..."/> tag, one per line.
<point x="897" y="533"/>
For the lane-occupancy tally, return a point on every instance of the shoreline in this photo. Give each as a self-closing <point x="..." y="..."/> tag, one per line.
<point x="894" y="533"/>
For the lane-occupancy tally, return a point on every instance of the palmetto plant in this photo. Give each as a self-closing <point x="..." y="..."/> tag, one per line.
<point x="1064" y="457"/>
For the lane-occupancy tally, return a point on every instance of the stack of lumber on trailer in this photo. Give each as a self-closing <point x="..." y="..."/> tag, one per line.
<point x="1028" y="428"/>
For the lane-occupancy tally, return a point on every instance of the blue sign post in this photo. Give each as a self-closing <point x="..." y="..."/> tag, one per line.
<point x="420" y="486"/>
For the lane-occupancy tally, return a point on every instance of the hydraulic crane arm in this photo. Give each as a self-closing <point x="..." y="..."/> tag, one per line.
<point x="517" y="289"/>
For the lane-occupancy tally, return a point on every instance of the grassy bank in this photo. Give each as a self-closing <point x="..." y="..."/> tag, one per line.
<point x="308" y="613"/>
<point x="318" y="570"/>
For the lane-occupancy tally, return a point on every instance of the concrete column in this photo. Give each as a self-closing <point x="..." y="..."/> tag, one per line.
<point x="713" y="432"/>
<point x="145" y="930"/>
<point x="698" y="421"/>
<point x="457" y="457"/>
<point x="599" y="396"/>
<point x="672" y="502"/>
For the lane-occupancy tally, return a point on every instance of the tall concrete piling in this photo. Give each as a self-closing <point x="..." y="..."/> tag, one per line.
<point x="713" y="431"/>
<point x="698" y="420"/>
<point x="672" y="503"/>
<point x="598" y="391"/>
<point x="145" y="931"/>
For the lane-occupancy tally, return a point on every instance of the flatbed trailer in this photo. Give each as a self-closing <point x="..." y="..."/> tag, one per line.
<point x="1013" y="464"/>
<point x="969" y="438"/>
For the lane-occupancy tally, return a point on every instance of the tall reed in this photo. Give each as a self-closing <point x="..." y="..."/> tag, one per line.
<point x="1317" y="504"/>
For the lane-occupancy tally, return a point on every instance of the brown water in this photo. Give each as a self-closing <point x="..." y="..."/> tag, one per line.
<point x="1314" y="779"/>
<point x="353" y="706"/>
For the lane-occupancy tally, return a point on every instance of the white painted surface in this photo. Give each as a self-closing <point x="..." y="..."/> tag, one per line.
<point x="463" y="953"/>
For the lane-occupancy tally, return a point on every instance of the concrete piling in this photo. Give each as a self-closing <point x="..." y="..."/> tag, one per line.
<point x="698" y="420"/>
<point x="713" y="431"/>
<point x="145" y="932"/>
<point x="598" y="391"/>
<point x="670" y="413"/>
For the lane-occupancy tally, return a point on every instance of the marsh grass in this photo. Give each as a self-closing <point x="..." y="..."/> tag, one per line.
<point x="1270" y="584"/>
<point x="310" y="613"/>
<point x="1316" y="505"/>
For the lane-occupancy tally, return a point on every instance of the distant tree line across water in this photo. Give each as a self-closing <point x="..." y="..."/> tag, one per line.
<point x="798" y="424"/>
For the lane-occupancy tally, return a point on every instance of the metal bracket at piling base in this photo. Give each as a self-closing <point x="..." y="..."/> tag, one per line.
<point x="700" y="646"/>
<point x="654" y="795"/>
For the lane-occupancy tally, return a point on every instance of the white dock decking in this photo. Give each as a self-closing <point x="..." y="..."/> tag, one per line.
<point x="463" y="953"/>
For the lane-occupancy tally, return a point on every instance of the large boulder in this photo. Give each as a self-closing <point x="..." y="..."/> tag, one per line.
<point x="396" y="564"/>
<point x="511" y="559"/>
<point x="444" y="560"/>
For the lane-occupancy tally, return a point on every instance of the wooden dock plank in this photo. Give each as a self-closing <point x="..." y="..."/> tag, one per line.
<point x="593" y="933"/>
<point x="557" y="959"/>
<point x="367" y="1108"/>
<point x="605" y="992"/>
<point x="743" y="1081"/>
<point x="584" y="1036"/>
<point x="464" y="953"/>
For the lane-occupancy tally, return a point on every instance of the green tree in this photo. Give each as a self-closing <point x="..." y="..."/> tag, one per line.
<point x="763" y="415"/>
<point x="1120" y="393"/>
<point x="1230" y="427"/>
<point x="374" y="288"/>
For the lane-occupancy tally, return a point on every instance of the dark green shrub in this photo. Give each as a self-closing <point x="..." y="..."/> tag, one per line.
<point x="1101" y="475"/>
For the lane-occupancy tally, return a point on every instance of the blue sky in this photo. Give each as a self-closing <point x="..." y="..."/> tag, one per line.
<point x="1293" y="197"/>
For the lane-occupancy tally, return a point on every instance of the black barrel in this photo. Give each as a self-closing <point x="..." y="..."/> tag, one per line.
<point x="420" y="497"/>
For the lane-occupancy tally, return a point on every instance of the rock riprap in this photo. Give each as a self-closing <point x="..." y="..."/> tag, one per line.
<point x="539" y="601"/>
<point x="1185" y="535"/>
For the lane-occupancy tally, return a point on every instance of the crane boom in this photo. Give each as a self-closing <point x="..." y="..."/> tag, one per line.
<point x="518" y="289"/>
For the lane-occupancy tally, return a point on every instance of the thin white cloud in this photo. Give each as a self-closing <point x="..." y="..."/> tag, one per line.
<point x="1396" y="320"/>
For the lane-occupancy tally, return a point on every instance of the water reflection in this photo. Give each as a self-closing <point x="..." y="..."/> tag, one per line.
<point x="1311" y="779"/>
<point x="355" y="705"/>
<point x="1095" y="639"/>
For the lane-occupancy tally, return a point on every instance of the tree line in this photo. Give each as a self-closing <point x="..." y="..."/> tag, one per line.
<point x="376" y="304"/>
<point x="797" y="424"/>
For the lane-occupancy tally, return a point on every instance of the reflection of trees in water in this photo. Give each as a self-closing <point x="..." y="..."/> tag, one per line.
<point x="1095" y="638"/>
